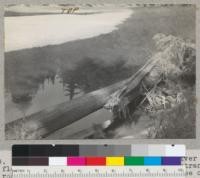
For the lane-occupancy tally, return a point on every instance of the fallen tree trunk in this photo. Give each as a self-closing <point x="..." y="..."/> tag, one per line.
<point x="175" y="59"/>
<point x="41" y="124"/>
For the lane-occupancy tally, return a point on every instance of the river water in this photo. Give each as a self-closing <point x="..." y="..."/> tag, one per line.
<point x="41" y="30"/>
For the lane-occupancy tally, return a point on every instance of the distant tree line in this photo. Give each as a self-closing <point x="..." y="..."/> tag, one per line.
<point x="149" y="5"/>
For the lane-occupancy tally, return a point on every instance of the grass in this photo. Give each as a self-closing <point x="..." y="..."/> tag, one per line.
<point x="178" y="122"/>
<point x="175" y="113"/>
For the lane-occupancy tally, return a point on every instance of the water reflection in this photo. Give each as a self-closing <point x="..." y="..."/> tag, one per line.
<point x="32" y="87"/>
<point x="91" y="74"/>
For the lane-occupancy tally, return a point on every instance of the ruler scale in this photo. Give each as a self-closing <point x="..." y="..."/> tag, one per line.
<point x="98" y="172"/>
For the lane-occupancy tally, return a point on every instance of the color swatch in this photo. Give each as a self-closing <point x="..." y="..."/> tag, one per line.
<point x="152" y="161"/>
<point x="96" y="161"/>
<point x="171" y="161"/>
<point x="45" y="150"/>
<point x="98" y="150"/>
<point x="134" y="161"/>
<point x="57" y="161"/>
<point x="28" y="161"/>
<point x="114" y="161"/>
<point x="76" y="161"/>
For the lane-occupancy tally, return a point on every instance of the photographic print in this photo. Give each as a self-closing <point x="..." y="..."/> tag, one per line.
<point x="100" y="71"/>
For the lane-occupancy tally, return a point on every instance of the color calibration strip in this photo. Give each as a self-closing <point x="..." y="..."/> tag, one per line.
<point x="97" y="155"/>
<point x="98" y="150"/>
<point x="96" y="161"/>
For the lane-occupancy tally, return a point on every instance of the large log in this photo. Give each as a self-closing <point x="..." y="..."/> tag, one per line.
<point x="175" y="59"/>
<point x="41" y="124"/>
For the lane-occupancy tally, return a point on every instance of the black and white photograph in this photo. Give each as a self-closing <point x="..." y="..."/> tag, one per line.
<point x="100" y="71"/>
